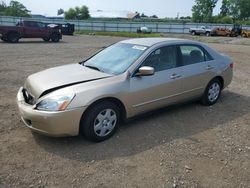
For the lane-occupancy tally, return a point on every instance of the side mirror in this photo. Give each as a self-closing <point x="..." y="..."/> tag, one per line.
<point x="145" y="71"/>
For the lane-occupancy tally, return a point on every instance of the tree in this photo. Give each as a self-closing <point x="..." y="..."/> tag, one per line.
<point x="244" y="7"/>
<point x="225" y="8"/>
<point x="203" y="10"/>
<point x="60" y="12"/>
<point x="16" y="9"/>
<point x="2" y="8"/>
<point x="185" y="18"/>
<point x="154" y="16"/>
<point x="237" y="9"/>
<point x="143" y="15"/>
<point x="234" y="9"/>
<point x="77" y="13"/>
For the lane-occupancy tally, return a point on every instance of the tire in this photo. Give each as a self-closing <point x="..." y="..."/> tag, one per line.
<point x="208" y="34"/>
<point x="55" y="37"/>
<point x="4" y="39"/>
<point x="212" y="92"/>
<point x="100" y="122"/>
<point x="193" y="33"/>
<point x="13" y="37"/>
<point x="46" y="39"/>
<point x="244" y="35"/>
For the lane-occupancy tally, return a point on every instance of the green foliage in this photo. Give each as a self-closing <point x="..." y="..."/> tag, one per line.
<point x="203" y="10"/>
<point x="143" y="15"/>
<point x="225" y="8"/>
<point x="247" y="22"/>
<point x="232" y="11"/>
<point x="237" y="9"/>
<point x="244" y="7"/>
<point x="60" y="11"/>
<point x="16" y="9"/>
<point x="2" y="8"/>
<point x="77" y="13"/>
<point x="226" y="20"/>
<point x="222" y="19"/>
<point x="119" y="34"/>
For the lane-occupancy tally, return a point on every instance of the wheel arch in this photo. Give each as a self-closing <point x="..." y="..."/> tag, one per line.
<point x="220" y="78"/>
<point x="114" y="100"/>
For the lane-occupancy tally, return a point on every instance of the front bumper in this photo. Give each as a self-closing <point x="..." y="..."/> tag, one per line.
<point x="61" y="123"/>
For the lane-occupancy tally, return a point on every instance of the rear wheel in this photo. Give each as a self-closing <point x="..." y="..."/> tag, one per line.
<point x="100" y="122"/>
<point x="13" y="37"/>
<point x="212" y="92"/>
<point x="193" y="33"/>
<point x="207" y="34"/>
<point x="4" y="39"/>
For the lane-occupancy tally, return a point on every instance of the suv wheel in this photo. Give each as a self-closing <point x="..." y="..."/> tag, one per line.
<point x="4" y="39"/>
<point x="13" y="37"/>
<point x="55" y="37"/>
<point x="100" y="122"/>
<point x="46" y="39"/>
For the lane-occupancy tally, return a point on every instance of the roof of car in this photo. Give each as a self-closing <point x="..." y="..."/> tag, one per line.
<point x="152" y="41"/>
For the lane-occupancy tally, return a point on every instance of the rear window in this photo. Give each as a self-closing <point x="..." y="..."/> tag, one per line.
<point x="192" y="54"/>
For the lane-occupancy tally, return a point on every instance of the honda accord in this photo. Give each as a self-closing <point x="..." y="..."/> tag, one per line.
<point x="125" y="79"/>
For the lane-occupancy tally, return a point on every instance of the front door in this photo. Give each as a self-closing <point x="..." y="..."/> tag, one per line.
<point x="162" y="88"/>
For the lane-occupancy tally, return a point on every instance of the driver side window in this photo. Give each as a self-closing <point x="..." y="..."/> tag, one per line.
<point x="162" y="59"/>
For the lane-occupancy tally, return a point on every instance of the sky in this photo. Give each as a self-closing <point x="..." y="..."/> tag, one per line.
<point x="161" y="8"/>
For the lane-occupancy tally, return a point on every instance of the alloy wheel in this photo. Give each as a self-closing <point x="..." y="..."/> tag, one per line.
<point x="214" y="92"/>
<point x="105" y="122"/>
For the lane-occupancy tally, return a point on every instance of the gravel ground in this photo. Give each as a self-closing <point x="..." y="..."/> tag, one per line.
<point x="183" y="146"/>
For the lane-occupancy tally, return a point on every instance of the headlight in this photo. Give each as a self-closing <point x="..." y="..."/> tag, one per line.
<point x="56" y="103"/>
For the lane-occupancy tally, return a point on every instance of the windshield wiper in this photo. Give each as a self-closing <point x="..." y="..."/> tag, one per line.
<point x="92" y="67"/>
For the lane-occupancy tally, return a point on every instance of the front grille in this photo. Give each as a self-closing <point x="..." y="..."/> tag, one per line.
<point x="28" y="97"/>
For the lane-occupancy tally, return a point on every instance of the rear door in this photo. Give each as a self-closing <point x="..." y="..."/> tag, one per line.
<point x="196" y="69"/>
<point x="30" y="30"/>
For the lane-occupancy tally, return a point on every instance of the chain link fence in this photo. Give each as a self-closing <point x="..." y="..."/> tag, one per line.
<point x="119" y="26"/>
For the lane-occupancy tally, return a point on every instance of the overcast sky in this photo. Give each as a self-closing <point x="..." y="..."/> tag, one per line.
<point x="162" y="8"/>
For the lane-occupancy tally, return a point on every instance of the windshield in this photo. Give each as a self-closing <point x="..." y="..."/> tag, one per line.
<point x="116" y="59"/>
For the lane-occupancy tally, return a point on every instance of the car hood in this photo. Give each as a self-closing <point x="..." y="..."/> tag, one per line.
<point x="44" y="82"/>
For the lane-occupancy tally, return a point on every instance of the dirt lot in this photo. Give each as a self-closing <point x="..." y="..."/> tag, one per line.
<point x="183" y="146"/>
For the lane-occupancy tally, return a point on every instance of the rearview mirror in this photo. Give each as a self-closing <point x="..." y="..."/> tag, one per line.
<point x="146" y="71"/>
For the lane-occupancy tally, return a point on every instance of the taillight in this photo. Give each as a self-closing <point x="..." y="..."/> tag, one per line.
<point x="232" y="65"/>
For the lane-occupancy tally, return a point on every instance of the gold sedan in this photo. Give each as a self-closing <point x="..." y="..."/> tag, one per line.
<point x="126" y="79"/>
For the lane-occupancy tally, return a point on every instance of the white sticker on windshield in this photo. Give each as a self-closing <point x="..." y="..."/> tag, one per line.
<point x="142" y="48"/>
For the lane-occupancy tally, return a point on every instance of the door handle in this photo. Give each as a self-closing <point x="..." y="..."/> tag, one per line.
<point x="209" y="67"/>
<point x="174" y="76"/>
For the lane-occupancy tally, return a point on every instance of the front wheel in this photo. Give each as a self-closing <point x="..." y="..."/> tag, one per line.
<point x="46" y="39"/>
<point x="212" y="92"/>
<point x="55" y="37"/>
<point x="207" y="34"/>
<point x="100" y="122"/>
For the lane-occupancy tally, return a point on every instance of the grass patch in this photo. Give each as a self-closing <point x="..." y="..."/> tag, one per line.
<point x="119" y="34"/>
